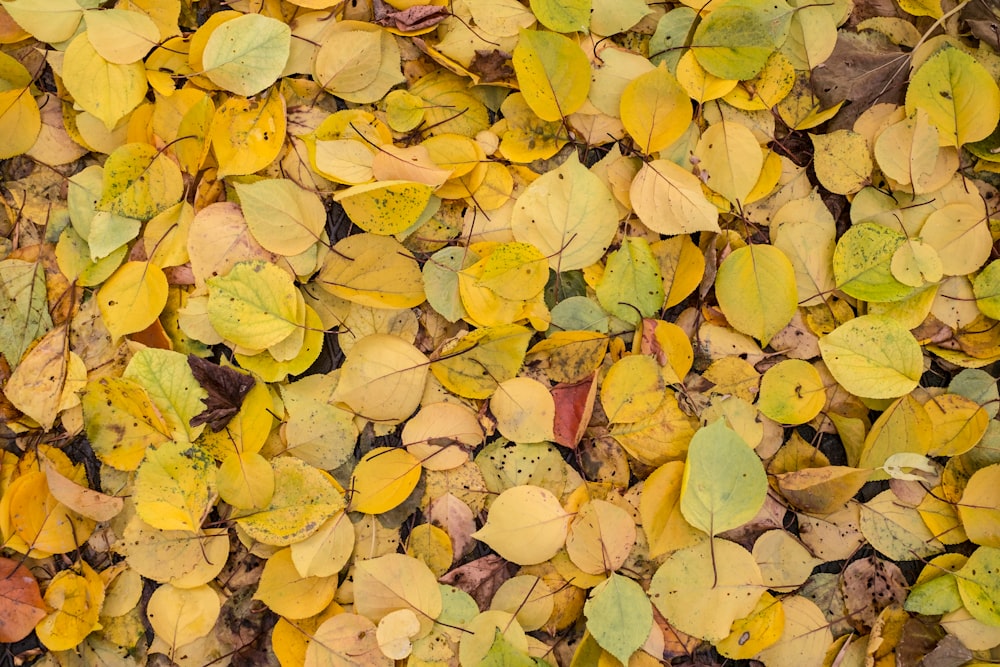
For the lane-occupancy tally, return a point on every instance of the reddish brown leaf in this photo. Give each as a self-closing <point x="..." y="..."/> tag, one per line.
<point x="21" y="606"/>
<point x="226" y="390"/>
<point x="574" y="405"/>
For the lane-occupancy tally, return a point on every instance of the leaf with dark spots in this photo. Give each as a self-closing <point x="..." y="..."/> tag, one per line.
<point x="411" y="19"/>
<point x="226" y="390"/>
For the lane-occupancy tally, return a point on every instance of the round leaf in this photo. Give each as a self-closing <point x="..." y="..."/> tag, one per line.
<point x="873" y="357"/>
<point x="247" y="54"/>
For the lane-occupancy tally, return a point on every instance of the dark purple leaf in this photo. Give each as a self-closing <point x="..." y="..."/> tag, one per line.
<point x="226" y="390"/>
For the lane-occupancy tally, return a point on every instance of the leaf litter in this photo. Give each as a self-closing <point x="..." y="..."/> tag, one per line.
<point x="499" y="333"/>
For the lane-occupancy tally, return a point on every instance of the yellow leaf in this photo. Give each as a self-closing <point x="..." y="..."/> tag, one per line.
<point x="38" y="382"/>
<point x="121" y="36"/>
<point x="553" y="73"/>
<point x="245" y="480"/>
<point x="374" y="271"/>
<point x="46" y="20"/>
<point x="175" y="556"/>
<point x="806" y="636"/>
<point x="821" y="491"/>
<point x="132" y="298"/>
<point x="383" y="378"/>
<point x="569" y="356"/>
<point x="20" y="122"/>
<point x="383" y="479"/>
<point x="791" y="392"/>
<point x="175" y="487"/>
<point x="359" y="62"/>
<point x="959" y="423"/>
<point x="41" y="524"/>
<point x="289" y="594"/>
<point x="756" y="290"/>
<point x="248" y="134"/>
<point x="600" y="537"/>
<point x="659" y="507"/>
<point x="179" y="616"/>
<point x="524" y="410"/>
<point x="842" y="160"/>
<point x="328" y="550"/>
<point x="731" y="160"/>
<point x="139" y="182"/>
<point x="759" y="629"/>
<point x="76" y="600"/>
<point x="304" y="497"/>
<point x="632" y="389"/>
<point x="386" y="207"/>
<point x="106" y="90"/>
<point x="979" y="508"/>
<point x="661" y="437"/>
<point x="394" y="581"/>
<point x="432" y="545"/>
<point x="697" y="83"/>
<point x="568" y="214"/>
<point x="873" y="357"/>
<point x="283" y="217"/>
<point x="702" y="590"/>
<point x="960" y="234"/>
<point x="526" y="525"/>
<point x="655" y="110"/>
<point x="121" y="422"/>
<point x="528" y="597"/>
<point x="345" y="638"/>
<point x="960" y="96"/>
<point x="669" y="200"/>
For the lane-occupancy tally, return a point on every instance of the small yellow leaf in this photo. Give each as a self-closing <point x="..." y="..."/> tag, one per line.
<point x="395" y="581"/>
<point x="632" y="389"/>
<point x="248" y="134"/>
<point x="386" y="207"/>
<point x="255" y="305"/>
<point x="37" y="384"/>
<point x="289" y="594"/>
<point x="524" y="410"/>
<point x="76" y="601"/>
<point x="374" y="271"/>
<point x="756" y="291"/>
<point x="383" y="479"/>
<point x="669" y="200"/>
<point x="139" y="182"/>
<point x="179" y="616"/>
<point x="730" y="159"/>
<point x="283" y="217"/>
<point x="526" y="525"/>
<point x="553" y="73"/>
<point x="842" y="160"/>
<point x="791" y="392"/>
<point x="175" y="487"/>
<point x="20" y="122"/>
<point x="132" y="298"/>
<point x="121" y="36"/>
<point x="655" y="110"/>
<point x="383" y="378"/>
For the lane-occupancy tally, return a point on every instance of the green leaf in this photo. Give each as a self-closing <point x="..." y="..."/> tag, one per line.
<point x="170" y="384"/>
<point x="619" y="616"/>
<point x="631" y="286"/>
<point x="862" y="263"/>
<point x="247" y="54"/>
<point x="873" y="357"/>
<point x="504" y="654"/>
<point x="563" y="15"/>
<point x="733" y="43"/>
<point x="24" y="312"/>
<point x="756" y="290"/>
<point x="255" y="305"/>
<point x="724" y="483"/>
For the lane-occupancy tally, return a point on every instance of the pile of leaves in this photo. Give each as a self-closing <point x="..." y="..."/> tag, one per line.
<point x="487" y="332"/>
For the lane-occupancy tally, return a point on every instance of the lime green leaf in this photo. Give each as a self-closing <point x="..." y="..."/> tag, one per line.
<point x="959" y="95"/>
<point x="170" y="384"/>
<point x="733" y="43"/>
<point x="873" y="357"/>
<point x="862" y="263"/>
<point x="255" y="305"/>
<point x="619" y="616"/>
<point x="553" y="72"/>
<point x="568" y="214"/>
<point x="247" y="54"/>
<point x="756" y="290"/>
<point x="562" y="15"/>
<point x="24" y="312"/>
<point x="987" y="290"/>
<point x="724" y="483"/>
<point x="631" y="287"/>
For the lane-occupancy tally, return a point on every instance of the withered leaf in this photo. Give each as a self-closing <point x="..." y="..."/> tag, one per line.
<point x="492" y="65"/>
<point x="418" y="17"/>
<point x="226" y="390"/>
